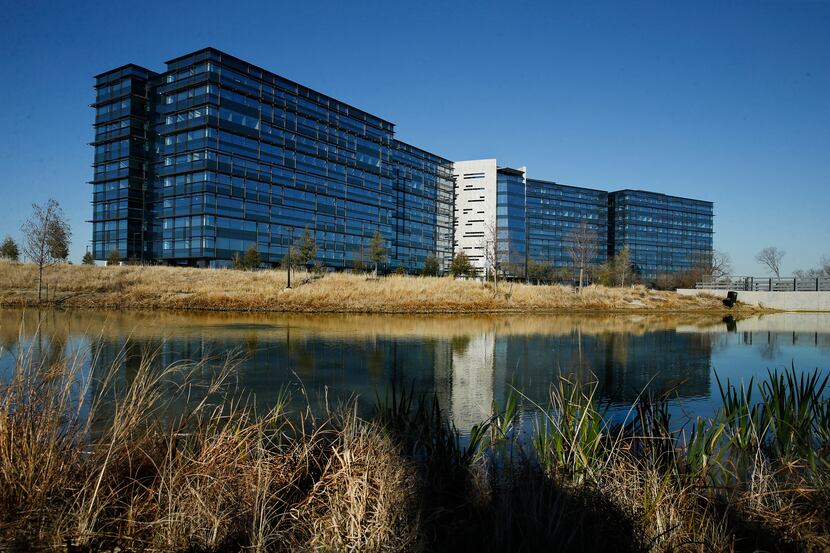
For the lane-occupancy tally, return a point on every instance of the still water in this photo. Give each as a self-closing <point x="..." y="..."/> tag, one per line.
<point x="468" y="362"/>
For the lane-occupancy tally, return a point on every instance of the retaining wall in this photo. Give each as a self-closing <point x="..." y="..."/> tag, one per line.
<point x="786" y="301"/>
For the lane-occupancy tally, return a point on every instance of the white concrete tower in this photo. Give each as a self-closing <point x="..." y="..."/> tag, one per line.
<point x="475" y="207"/>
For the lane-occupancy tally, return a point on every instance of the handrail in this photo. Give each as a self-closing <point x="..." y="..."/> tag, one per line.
<point x="765" y="284"/>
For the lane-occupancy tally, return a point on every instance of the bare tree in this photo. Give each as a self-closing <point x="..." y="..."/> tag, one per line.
<point x="583" y="244"/>
<point x="822" y="271"/>
<point x="377" y="250"/>
<point x="47" y="238"/>
<point x="770" y="257"/>
<point x="490" y="247"/>
<point x="721" y="264"/>
<point x="622" y="265"/>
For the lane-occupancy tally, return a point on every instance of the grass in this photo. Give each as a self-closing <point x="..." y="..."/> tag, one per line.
<point x="98" y="464"/>
<point x="226" y="290"/>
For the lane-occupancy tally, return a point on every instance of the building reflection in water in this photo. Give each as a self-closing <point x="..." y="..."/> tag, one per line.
<point x="467" y="362"/>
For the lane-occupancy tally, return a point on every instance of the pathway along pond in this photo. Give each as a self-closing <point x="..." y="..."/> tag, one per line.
<point x="468" y="362"/>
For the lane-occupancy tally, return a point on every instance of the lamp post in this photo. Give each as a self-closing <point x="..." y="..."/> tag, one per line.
<point x="290" y="247"/>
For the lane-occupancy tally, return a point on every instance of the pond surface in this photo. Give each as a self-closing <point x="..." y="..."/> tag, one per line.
<point x="468" y="362"/>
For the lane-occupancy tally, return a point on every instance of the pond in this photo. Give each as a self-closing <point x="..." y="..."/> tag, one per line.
<point x="469" y="362"/>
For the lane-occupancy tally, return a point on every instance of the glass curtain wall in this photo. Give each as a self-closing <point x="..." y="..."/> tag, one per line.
<point x="120" y="164"/>
<point x="510" y="242"/>
<point x="196" y="164"/>
<point x="554" y="212"/>
<point x="665" y="234"/>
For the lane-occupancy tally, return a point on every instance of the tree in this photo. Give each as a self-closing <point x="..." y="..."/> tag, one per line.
<point x="461" y="265"/>
<point x="237" y="262"/>
<point x="582" y="247"/>
<point x="358" y="261"/>
<point x="490" y="247"/>
<point x="9" y="249"/>
<point x="377" y="251"/>
<point x="721" y="265"/>
<point x="307" y="250"/>
<point x="400" y="271"/>
<point x="114" y="257"/>
<point x="252" y="258"/>
<point x="770" y="257"/>
<point x="47" y="238"/>
<point x="88" y="259"/>
<point x="622" y="266"/>
<point x="539" y="272"/>
<point x="431" y="267"/>
<point x="822" y="271"/>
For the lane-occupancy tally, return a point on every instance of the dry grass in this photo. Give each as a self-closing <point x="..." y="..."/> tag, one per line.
<point x="227" y="290"/>
<point x="84" y="467"/>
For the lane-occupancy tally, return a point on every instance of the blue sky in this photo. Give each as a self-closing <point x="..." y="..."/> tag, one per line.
<point x="725" y="101"/>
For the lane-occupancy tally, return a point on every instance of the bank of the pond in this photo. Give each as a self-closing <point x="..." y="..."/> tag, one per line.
<point x="221" y="477"/>
<point x="78" y="286"/>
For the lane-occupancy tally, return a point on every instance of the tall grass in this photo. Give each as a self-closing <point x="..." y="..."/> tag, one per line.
<point x="84" y="465"/>
<point x="150" y="463"/>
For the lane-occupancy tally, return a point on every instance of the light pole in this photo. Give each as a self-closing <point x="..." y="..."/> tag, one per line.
<point x="290" y="247"/>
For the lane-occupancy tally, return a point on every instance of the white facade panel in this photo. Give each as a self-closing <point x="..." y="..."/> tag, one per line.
<point x="475" y="207"/>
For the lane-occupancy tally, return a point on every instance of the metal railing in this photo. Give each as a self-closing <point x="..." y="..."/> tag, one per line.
<point x="765" y="284"/>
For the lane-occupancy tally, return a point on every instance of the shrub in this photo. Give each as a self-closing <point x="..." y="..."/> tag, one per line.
<point x="114" y="257"/>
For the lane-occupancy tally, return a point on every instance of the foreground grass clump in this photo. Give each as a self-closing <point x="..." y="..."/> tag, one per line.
<point x="183" y="288"/>
<point x="152" y="463"/>
<point x="86" y="466"/>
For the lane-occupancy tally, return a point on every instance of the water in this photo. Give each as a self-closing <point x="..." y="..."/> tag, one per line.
<point x="469" y="362"/>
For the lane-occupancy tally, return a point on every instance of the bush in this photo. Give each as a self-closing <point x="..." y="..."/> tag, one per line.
<point x="114" y="257"/>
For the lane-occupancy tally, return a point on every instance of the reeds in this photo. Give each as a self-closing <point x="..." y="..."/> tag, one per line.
<point x="151" y="463"/>
<point x="97" y="465"/>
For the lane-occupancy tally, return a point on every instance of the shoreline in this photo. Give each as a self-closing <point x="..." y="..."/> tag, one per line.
<point x="223" y="290"/>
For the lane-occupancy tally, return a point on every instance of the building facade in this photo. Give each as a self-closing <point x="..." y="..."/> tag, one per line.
<point x="664" y="234"/>
<point x="197" y="163"/>
<point x="556" y="211"/>
<point x="533" y="220"/>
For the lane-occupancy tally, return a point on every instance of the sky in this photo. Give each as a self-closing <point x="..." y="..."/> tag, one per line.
<point x="722" y="101"/>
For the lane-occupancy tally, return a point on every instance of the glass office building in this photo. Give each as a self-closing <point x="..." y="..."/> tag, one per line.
<point x="665" y="234"/>
<point x="554" y="212"/>
<point x="536" y="221"/>
<point x="511" y="219"/>
<point x="195" y="164"/>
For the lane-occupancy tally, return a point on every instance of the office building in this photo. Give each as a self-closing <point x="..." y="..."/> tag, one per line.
<point x="489" y="213"/>
<point x="195" y="164"/>
<point x="664" y="234"/>
<point x="555" y="212"/>
<point x="528" y="219"/>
